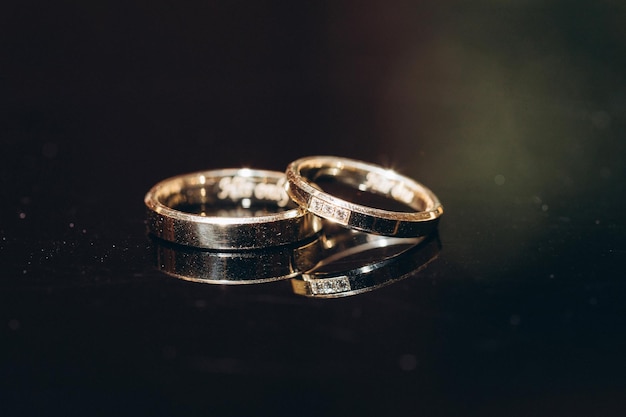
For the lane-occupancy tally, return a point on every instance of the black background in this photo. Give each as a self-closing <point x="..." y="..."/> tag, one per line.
<point x="512" y="112"/>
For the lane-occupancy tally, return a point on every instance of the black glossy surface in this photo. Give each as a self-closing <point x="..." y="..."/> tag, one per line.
<point x="513" y="114"/>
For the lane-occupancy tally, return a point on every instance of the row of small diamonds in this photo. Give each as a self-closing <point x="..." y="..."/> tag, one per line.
<point x="324" y="209"/>
<point x="330" y="285"/>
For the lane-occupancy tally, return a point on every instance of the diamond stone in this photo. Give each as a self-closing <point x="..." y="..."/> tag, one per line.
<point x="328" y="210"/>
<point x="341" y="215"/>
<point x="316" y="205"/>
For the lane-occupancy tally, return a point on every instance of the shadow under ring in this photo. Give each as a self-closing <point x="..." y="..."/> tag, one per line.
<point x="370" y="275"/>
<point x="237" y="267"/>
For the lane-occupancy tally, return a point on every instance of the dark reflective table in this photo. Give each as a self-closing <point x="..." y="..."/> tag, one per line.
<point x="513" y="114"/>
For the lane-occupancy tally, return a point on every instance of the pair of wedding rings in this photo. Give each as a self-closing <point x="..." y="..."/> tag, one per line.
<point x="236" y="211"/>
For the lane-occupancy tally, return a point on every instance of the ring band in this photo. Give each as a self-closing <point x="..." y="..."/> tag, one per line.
<point x="302" y="174"/>
<point x="236" y="267"/>
<point x="229" y="190"/>
<point x="372" y="275"/>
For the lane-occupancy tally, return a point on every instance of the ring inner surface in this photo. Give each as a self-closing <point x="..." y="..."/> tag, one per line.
<point x="228" y="196"/>
<point x="367" y="188"/>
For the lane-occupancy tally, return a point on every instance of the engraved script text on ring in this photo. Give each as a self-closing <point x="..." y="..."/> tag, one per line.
<point x="380" y="184"/>
<point x="238" y="188"/>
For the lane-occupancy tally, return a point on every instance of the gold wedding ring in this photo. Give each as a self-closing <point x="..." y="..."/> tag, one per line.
<point x="227" y="209"/>
<point x="423" y="207"/>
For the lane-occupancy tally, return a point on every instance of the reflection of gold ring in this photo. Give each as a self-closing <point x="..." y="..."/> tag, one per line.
<point x="237" y="267"/>
<point x="241" y="189"/>
<point x="370" y="276"/>
<point x="420" y="221"/>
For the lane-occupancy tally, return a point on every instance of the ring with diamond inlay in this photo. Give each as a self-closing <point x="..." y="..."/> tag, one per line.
<point x="423" y="207"/>
<point x="227" y="209"/>
<point x="413" y="255"/>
